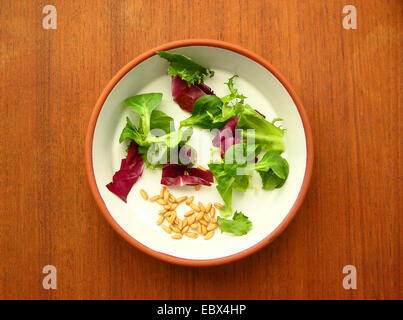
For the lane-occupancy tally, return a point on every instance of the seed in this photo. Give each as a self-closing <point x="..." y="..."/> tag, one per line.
<point x="162" y="193"/>
<point x="180" y="225"/>
<point x="162" y="202"/>
<point x="199" y="215"/>
<point x="212" y="212"/>
<point x="207" y="217"/>
<point x="184" y="223"/>
<point x="203" y="222"/>
<point x="167" y="206"/>
<point x="181" y="199"/>
<point x="153" y="198"/>
<point x="175" y="229"/>
<point x="218" y="205"/>
<point x="191" y="235"/>
<point x="185" y="229"/>
<point x="209" y="235"/>
<point x="160" y="220"/>
<point x="176" y="220"/>
<point x="189" y="200"/>
<point x="173" y="206"/>
<point x="199" y="228"/>
<point x="194" y="225"/>
<point x="208" y="207"/>
<point x="172" y="198"/>
<point x="163" y="211"/>
<point x="166" y="229"/>
<point x="197" y="188"/>
<point x="166" y="195"/>
<point x="202" y="208"/>
<point x="187" y="214"/>
<point x="201" y="167"/>
<point x="192" y="219"/>
<point x="204" y="230"/>
<point x="211" y="227"/>
<point x="195" y="207"/>
<point x="177" y="236"/>
<point x="214" y="220"/>
<point x="144" y="194"/>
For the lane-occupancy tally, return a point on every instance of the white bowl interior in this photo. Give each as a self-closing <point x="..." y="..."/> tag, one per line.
<point x="266" y="209"/>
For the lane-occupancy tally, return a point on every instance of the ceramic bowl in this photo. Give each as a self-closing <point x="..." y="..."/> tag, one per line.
<point x="270" y="211"/>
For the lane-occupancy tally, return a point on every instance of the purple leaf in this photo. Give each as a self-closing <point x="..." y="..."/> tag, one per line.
<point x="225" y="138"/>
<point x="130" y="171"/>
<point x="186" y="96"/>
<point x="174" y="175"/>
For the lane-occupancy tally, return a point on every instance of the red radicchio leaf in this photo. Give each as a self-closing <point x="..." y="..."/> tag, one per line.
<point x="186" y="96"/>
<point x="174" y="175"/>
<point x="130" y="171"/>
<point x="225" y="138"/>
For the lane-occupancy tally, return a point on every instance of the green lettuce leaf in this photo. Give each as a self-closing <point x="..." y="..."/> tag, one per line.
<point x="265" y="133"/>
<point x="273" y="170"/>
<point x="239" y="225"/>
<point x="205" y="110"/>
<point x="161" y="123"/>
<point x="185" y="68"/>
<point x="144" y="104"/>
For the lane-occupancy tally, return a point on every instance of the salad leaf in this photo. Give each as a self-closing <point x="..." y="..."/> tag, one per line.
<point x="186" y="96"/>
<point x="130" y="171"/>
<point x="205" y="110"/>
<point x="130" y="132"/>
<point x="232" y="173"/>
<point x="239" y="225"/>
<point x="273" y="170"/>
<point x="144" y="104"/>
<point x="233" y="92"/>
<point x="179" y="175"/>
<point x="185" y="68"/>
<point x="265" y="133"/>
<point x="160" y="121"/>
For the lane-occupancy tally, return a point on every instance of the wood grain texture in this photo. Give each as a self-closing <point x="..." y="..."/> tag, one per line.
<point x="350" y="84"/>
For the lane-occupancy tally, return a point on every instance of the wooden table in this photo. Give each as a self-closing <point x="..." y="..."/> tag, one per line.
<point x="350" y="84"/>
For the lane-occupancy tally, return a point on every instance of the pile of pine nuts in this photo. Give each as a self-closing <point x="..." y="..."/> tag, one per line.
<point x="199" y="220"/>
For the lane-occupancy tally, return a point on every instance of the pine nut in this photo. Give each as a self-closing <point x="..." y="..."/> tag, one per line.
<point x="204" y="230"/>
<point x="202" y="208"/>
<point x="191" y="235"/>
<point x="166" y="195"/>
<point x="201" y="167"/>
<point x="212" y="212"/>
<point x="218" y="205"/>
<point x="187" y="214"/>
<point x="173" y="206"/>
<point x="177" y="236"/>
<point x="199" y="215"/>
<point x="162" y="193"/>
<point x="180" y="225"/>
<point x="208" y="207"/>
<point x="153" y="198"/>
<point x="184" y="223"/>
<point x="211" y="227"/>
<point x="181" y="199"/>
<point x="175" y="229"/>
<point x="194" y="225"/>
<point x="160" y="220"/>
<point x="167" y="206"/>
<point x="144" y="194"/>
<point x="185" y="229"/>
<point x="214" y="220"/>
<point x="161" y="202"/>
<point x="163" y="211"/>
<point x="199" y="228"/>
<point x="209" y="235"/>
<point x="172" y="198"/>
<point x="166" y="229"/>
<point x="176" y="220"/>
<point x="197" y="188"/>
<point x="207" y="217"/>
<point x="192" y="219"/>
<point x="203" y="222"/>
<point x="189" y="200"/>
<point x="195" y="207"/>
